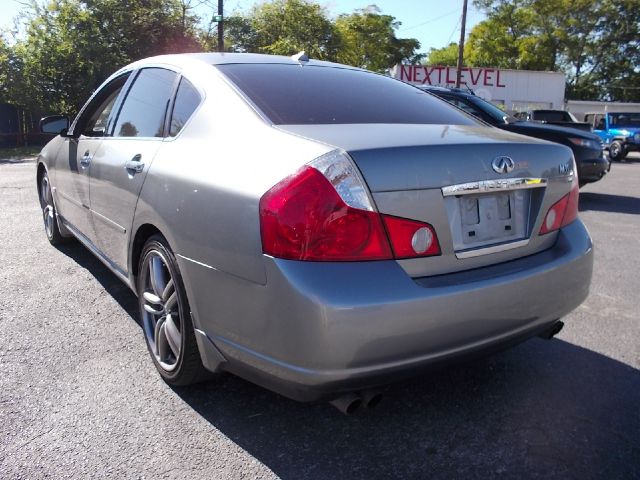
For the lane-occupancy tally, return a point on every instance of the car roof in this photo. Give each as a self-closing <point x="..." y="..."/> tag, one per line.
<point x="224" y="58"/>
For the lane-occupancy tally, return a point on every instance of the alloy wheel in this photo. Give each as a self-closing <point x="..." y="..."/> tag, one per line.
<point x="161" y="314"/>
<point x="48" y="212"/>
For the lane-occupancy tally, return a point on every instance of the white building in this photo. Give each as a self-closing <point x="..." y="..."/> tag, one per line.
<point x="514" y="90"/>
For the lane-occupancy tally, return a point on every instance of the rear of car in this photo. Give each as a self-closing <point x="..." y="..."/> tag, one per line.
<point x="420" y="236"/>
<point x="587" y="147"/>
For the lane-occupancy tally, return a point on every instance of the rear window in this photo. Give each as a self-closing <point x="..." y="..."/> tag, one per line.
<point x="313" y="95"/>
<point x="551" y="116"/>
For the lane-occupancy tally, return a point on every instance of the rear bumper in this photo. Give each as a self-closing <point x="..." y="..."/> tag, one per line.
<point x="321" y="329"/>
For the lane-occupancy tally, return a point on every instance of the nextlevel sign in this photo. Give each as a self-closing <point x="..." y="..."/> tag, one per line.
<point x="515" y="89"/>
<point x="446" y="76"/>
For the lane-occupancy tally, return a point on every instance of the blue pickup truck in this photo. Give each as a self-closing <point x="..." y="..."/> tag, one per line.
<point x="619" y="131"/>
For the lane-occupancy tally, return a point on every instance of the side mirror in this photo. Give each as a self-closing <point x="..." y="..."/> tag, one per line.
<point x="54" y="124"/>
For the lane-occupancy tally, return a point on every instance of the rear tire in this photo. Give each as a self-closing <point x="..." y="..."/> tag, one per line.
<point x="166" y="316"/>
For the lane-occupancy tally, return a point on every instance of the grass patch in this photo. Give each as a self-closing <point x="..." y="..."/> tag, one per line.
<point x="18" y="153"/>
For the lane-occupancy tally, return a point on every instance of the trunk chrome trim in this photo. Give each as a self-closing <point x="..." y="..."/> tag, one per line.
<point x="501" y="185"/>
<point x="492" y="249"/>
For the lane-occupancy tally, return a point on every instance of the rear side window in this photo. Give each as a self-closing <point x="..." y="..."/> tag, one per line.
<point x="303" y="95"/>
<point x="145" y="106"/>
<point x="187" y="100"/>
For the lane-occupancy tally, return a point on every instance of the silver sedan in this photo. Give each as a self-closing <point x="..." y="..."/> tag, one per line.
<point x="314" y="228"/>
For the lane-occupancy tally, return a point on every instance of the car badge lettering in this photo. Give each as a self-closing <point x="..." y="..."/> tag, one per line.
<point x="564" y="168"/>
<point x="503" y="164"/>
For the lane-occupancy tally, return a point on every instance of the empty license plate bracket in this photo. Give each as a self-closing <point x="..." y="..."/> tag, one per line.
<point x="484" y="220"/>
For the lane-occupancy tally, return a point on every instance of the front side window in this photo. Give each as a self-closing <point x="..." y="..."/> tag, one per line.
<point x="93" y="121"/>
<point x="187" y="100"/>
<point x="145" y="106"/>
<point x="314" y="95"/>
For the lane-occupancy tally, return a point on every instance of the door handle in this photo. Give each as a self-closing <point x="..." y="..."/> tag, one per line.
<point x="86" y="159"/>
<point x="135" y="165"/>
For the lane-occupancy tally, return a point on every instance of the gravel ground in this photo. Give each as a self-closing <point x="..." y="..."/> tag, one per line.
<point x="80" y="398"/>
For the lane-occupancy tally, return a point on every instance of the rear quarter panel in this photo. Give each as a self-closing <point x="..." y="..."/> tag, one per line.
<point x="204" y="186"/>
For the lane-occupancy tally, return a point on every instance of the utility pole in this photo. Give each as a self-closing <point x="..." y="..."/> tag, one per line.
<point x="461" y="44"/>
<point x="221" y="26"/>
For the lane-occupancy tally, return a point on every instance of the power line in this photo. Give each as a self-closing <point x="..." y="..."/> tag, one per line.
<point x="428" y="21"/>
<point x="455" y="29"/>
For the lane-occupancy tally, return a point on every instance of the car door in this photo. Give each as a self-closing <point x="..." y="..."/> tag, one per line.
<point x="123" y="159"/>
<point x="73" y="164"/>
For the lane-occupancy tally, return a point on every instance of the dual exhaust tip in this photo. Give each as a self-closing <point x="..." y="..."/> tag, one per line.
<point x="350" y="403"/>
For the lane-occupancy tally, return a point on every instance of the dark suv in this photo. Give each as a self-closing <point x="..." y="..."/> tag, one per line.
<point x="587" y="147"/>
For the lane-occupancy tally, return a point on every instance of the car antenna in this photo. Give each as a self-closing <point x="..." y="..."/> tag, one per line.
<point x="300" y="57"/>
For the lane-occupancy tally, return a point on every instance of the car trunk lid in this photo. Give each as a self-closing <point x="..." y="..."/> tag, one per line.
<point x="485" y="191"/>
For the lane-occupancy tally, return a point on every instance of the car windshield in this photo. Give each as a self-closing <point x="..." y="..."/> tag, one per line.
<point x="624" y="119"/>
<point x="315" y="95"/>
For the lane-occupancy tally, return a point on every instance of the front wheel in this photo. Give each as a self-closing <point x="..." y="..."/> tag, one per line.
<point x="49" y="216"/>
<point x="165" y="315"/>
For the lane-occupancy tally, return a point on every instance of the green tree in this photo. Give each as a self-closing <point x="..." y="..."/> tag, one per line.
<point x="284" y="27"/>
<point x="70" y="46"/>
<point x="443" y="56"/>
<point x="368" y="40"/>
<point x="239" y="35"/>
<point x="594" y="42"/>
<point x="365" y="38"/>
<point x="5" y="70"/>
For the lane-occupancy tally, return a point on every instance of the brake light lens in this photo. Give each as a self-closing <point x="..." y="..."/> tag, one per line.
<point x="411" y="239"/>
<point x="563" y="212"/>
<point x="304" y="218"/>
<point x="323" y="213"/>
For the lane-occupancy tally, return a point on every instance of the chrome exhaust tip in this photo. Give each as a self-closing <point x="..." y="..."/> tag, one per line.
<point x="347" y="404"/>
<point x="371" y="398"/>
<point x="552" y="331"/>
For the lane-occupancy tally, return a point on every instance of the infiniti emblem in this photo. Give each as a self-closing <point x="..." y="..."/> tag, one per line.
<point x="503" y="164"/>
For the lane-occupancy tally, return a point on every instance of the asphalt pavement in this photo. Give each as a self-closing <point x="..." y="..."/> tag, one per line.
<point x="79" y="397"/>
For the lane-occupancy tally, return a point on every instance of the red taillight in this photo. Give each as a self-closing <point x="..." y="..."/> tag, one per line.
<point x="411" y="239"/>
<point x="563" y="212"/>
<point x="304" y="218"/>
<point x="572" y="205"/>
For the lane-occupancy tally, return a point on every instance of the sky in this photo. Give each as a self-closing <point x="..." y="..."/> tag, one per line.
<point x="434" y="23"/>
